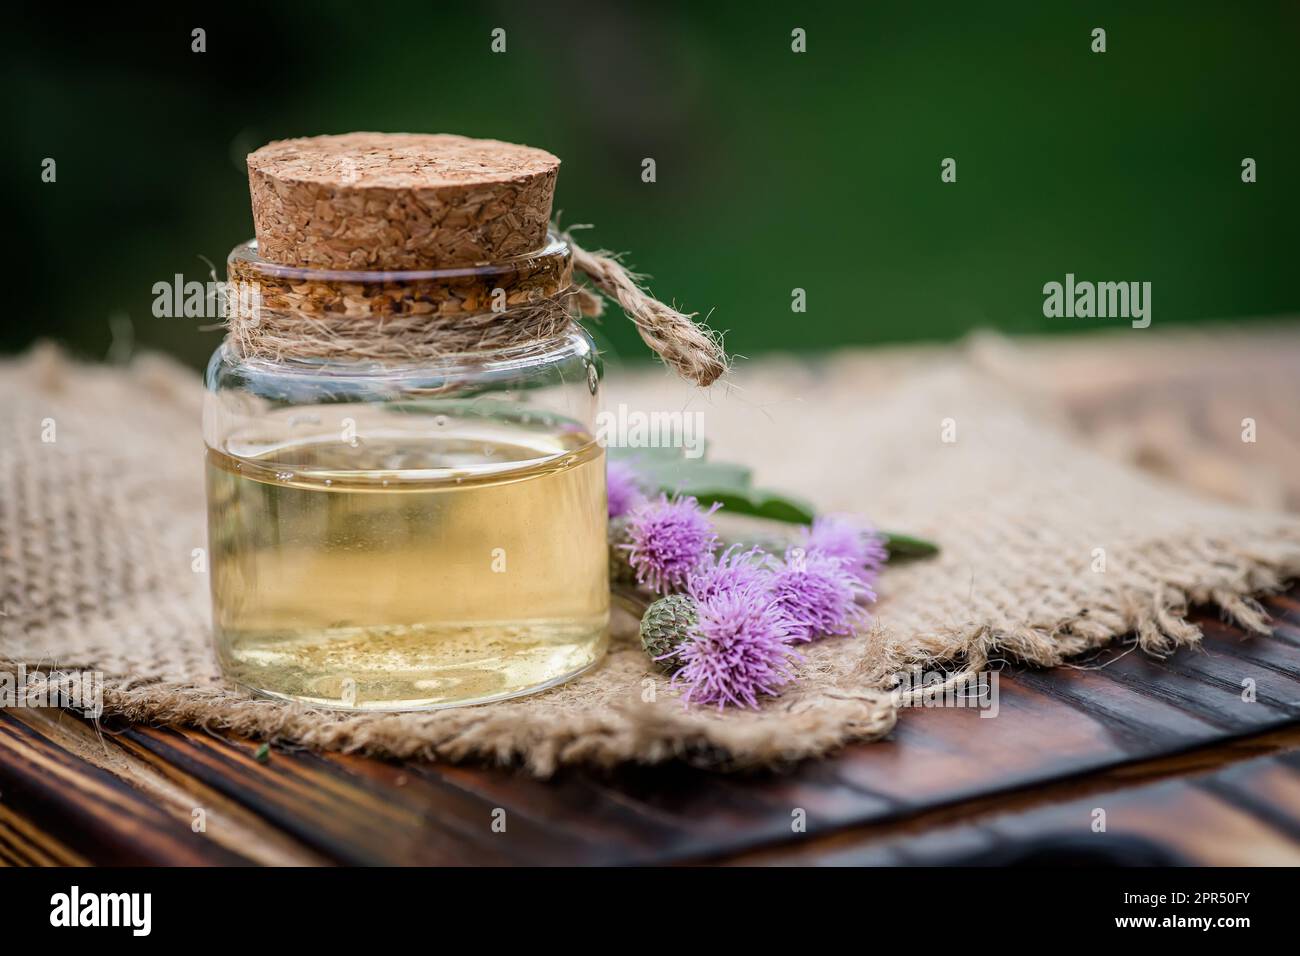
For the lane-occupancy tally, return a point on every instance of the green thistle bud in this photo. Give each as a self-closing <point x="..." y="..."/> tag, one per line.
<point x="665" y="625"/>
<point x="620" y="571"/>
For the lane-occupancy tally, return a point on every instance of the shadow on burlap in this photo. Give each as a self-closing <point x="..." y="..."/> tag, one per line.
<point x="97" y="529"/>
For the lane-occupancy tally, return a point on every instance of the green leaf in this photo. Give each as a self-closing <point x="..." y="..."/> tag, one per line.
<point x="900" y="547"/>
<point x="904" y="547"/>
<point x="672" y="473"/>
<point x="634" y="456"/>
<point x="709" y="481"/>
<point x="758" y="503"/>
<point x="689" y="481"/>
<point x="669" y="471"/>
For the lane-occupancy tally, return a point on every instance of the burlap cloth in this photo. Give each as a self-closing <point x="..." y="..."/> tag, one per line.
<point x="97" y="529"/>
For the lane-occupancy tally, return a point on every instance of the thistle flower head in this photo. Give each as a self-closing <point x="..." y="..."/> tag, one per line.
<point x="669" y="539"/>
<point x="732" y="570"/>
<point x="738" y="649"/>
<point x="850" y="541"/>
<point x="818" y="594"/>
<point x="623" y="488"/>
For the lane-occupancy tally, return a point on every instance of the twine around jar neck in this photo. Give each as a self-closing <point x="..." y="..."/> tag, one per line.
<point x="279" y="312"/>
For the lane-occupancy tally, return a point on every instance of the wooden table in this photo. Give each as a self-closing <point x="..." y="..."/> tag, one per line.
<point x="1184" y="768"/>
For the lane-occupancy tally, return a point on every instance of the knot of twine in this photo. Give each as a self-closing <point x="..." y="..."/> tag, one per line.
<point x="301" y="316"/>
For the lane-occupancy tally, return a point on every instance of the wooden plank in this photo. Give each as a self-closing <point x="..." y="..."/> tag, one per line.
<point x="647" y="815"/>
<point x="922" y="836"/>
<point x="317" y="801"/>
<point x="25" y="843"/>
<point x="357" y="810"/>
<point x="80" y="805"/>
<point x="1053" y="725"/>
<point x="938" y="755"/>
<point x="223" y="821"/>
<point x="1268" y="790"/>
<point x="1275" y="654"/>
<point x="1244" y="815"/>
<point x="1285" y="609"/>
<point x="1053" y="728"/>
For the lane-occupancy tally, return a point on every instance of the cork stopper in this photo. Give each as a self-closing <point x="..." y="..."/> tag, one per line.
<point x="393" y="201"/>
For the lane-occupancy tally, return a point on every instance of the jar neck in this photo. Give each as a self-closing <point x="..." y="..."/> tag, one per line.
<point x="284" y="313"/>
<point x="556" y="381"/>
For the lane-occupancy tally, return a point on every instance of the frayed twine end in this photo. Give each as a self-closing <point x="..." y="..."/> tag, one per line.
<point x="690" y="348"/>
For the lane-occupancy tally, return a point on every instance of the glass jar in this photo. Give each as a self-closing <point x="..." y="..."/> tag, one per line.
<point x="395" y="532"/>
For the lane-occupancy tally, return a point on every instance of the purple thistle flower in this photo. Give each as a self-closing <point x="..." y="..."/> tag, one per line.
<point x="738" y="649"/>
<point x="852" y="542"/>
<point x="733" y="570"/>
<point x="669" y="539"/>
<point x="623" y="488"/>
<point x="818" y="594"/>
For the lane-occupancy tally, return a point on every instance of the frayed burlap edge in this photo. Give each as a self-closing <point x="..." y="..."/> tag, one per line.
<point x="1154" y="619"/>
<point x="1237" y="554"/>
<point x="851" y="710"/>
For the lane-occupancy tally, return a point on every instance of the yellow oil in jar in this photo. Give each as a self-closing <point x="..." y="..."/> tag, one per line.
<point x="398" y="573"/>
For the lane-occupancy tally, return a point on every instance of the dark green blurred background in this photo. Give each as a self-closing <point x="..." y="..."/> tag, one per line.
<point x="775" y="170"/>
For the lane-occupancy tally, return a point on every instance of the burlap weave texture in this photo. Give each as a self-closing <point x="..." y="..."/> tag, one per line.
<point x="98" y="527"/>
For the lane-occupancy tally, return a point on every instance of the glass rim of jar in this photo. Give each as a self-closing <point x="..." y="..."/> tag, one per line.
<point x="554" y="254"/>
<point x="573" y="342"/>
